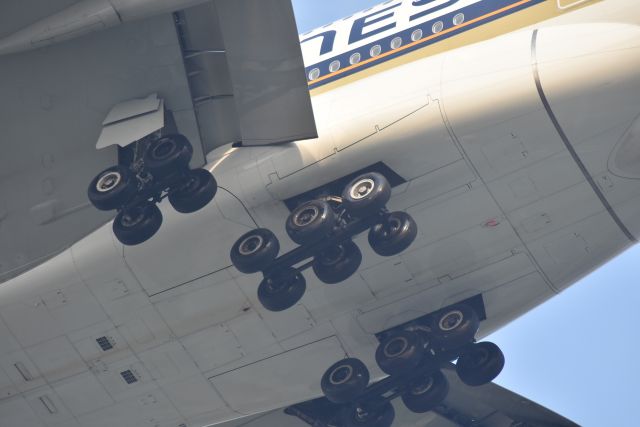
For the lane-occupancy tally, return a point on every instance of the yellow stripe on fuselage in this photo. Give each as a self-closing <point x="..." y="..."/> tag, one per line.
<point x="521" y="19"/>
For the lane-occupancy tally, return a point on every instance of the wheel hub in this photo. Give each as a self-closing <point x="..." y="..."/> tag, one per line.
<point x="361" y="414"/>
<point x="251" y="245"/>
<point x="306" y="216"/>
<point x="280" y="283"/>
<point x="422" y="387"/>
<point x="332" y="256"/>
<point x="394" y="225"/>
<point x="191" y="185"/>
<point x="163" y="149"/>
<point x="341" y="374"/>
<point x="133" y="217"/>
<point x="479" y="357"/>
<point x="362" y="188"/>
<point x="108" y="181"/>
<point x="451" y="320"/>
<point x="390" y="227"/>
<point x="396" y="347"/>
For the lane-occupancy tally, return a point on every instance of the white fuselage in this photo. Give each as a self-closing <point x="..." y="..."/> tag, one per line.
<point x="520" y="154"/>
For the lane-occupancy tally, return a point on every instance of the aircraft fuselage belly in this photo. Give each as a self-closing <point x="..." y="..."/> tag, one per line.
<point x="506" y="149"/>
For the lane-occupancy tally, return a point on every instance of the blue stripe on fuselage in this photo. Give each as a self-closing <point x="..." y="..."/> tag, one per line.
<point x="471" y="12"/>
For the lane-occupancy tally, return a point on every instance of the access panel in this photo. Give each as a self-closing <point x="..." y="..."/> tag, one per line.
<point x="188" y="247"/>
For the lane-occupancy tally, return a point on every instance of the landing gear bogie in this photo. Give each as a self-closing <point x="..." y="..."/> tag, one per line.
<point x="422" y="389"/>
<point x="324" y="229"/>
<point x="414" y="356"/>
<point x="158" y="168"/>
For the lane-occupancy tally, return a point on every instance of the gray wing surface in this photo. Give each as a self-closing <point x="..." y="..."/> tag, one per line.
<point x="55" y="99"/>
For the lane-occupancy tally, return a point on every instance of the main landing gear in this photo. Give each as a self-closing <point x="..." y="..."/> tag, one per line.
<point x="413" y="359"/>
<point x="160" y="168"/>
<point x="324" y="229"/>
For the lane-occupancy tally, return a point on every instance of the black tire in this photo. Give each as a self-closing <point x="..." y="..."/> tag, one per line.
<point x="310" y="222"/>
<point x="369" y="415"/>
<point x="480" y="363"/>
<point x="168" y="155"/>
<point x="112" y="188"/>
<point x="255" y="250"/>
<point x="345" y="380"/>
<point x="282" y="290"/>
<point x="337" y="263"/>
<point x="401" y="352"/>
<point x="455" y="326"/>
<point x="425" y="393"/>
<point x="137" y="224"/>
<point x="366" y="194"/>
<point x="196" y="193"/>
<point x="394" y="235"/>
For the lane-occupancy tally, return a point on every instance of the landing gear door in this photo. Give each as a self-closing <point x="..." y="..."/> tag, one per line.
<point x="185" y="250"/>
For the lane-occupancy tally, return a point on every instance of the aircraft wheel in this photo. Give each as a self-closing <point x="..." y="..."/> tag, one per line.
<point x="337" y="263"/>
<point x="480" y="364"/>
<point x="167" y="155"/>
<point x="425" y="393"/>
<point x="401" y="352"/>
<point x="366" y="194"/>
<point x="137" y="224"/>
<point x="310" y="222"/>
<point x="394" y="235"/>
<point x="345" y="380"/>
<point x="455" y="326"/>
<point x="255" y="250"/>
<point x="112" y="188"/>
<point x="198" y="190"/>
<point x="370" y="415"/>
<point x="282" y="290"/>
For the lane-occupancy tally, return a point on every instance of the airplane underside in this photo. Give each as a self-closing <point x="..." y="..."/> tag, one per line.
<point x="442" y="199"/>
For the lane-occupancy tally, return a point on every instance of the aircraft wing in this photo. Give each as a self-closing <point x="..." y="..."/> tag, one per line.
<point x="228" y="71"/>
<point x="489" y="405"/>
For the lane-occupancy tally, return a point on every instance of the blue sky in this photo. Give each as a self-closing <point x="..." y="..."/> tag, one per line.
<point x="577" y="353"/>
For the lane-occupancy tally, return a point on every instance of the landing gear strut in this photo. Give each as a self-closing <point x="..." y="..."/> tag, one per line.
<point x="413" y="357"/>
<point x="160" y="169"/>
<point x="324" y="229"/>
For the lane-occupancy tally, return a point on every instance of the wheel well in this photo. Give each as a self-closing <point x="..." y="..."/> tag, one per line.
<point x="476" y="302"/>
<point x="318" y="412"/>
<point x="335" y="187"/>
